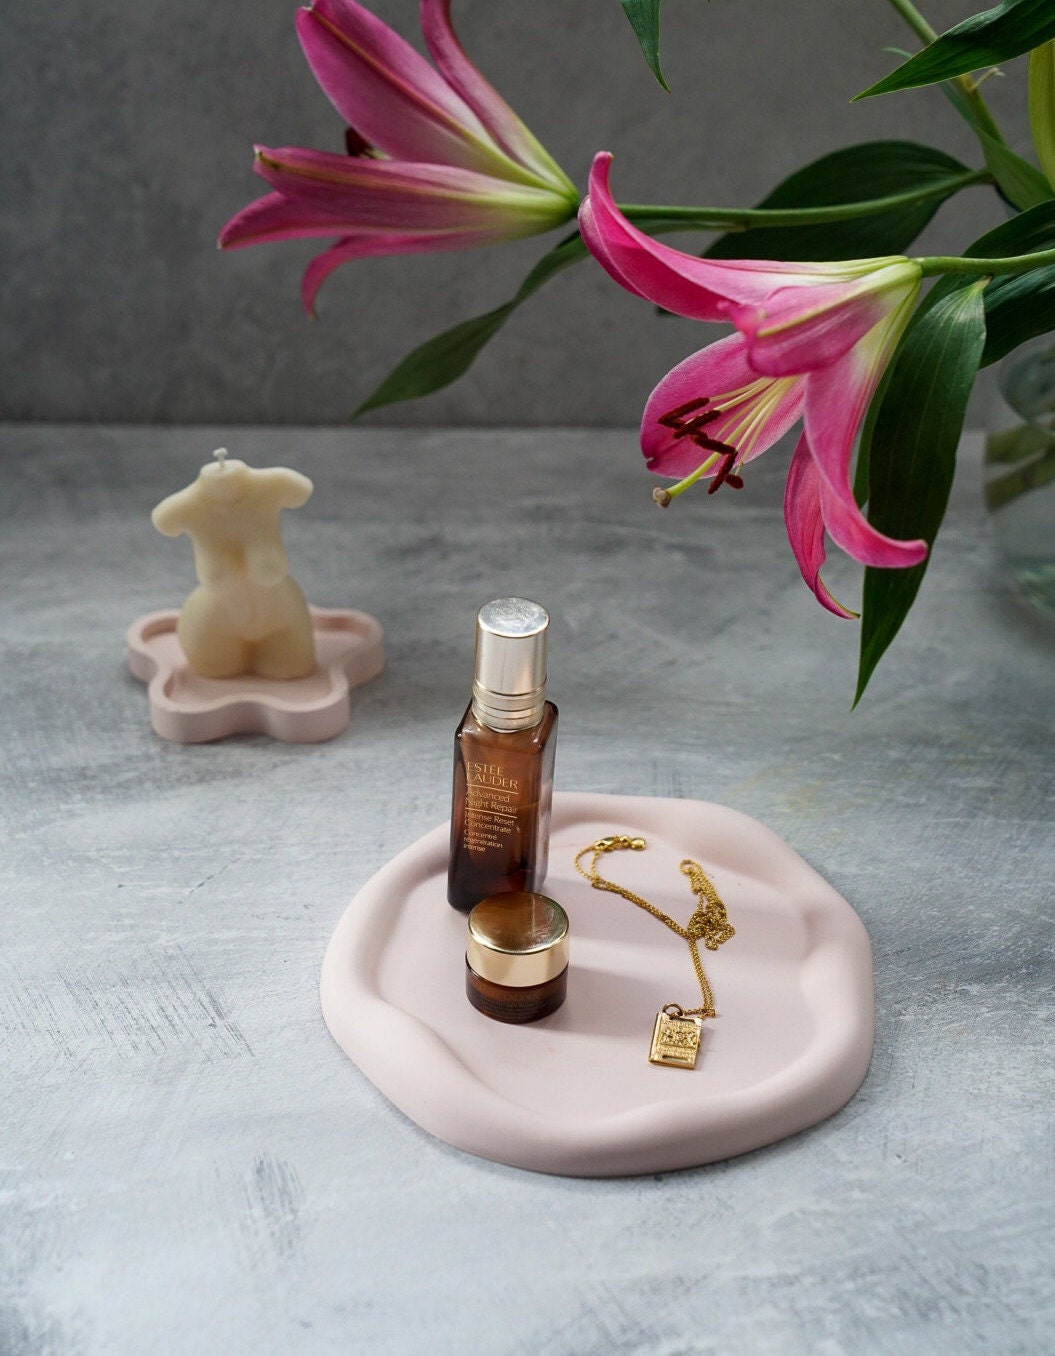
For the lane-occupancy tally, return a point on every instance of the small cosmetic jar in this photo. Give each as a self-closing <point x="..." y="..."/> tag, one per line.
<point x="516" y="957"/>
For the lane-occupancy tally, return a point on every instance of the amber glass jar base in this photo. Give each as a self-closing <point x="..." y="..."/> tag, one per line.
<point x="505" y="1003"/>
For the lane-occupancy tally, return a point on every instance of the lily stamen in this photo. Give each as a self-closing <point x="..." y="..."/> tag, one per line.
<point x="672" y="419"/>
<point x="723" y="455"/>
<point x="694" y="425"/>
<point x="713" y="445"/>
<point x="683" y="428"/>
<point x="672" y="491"/>
<point x="725" y="476"/>
<point x="356" y="145"/>
<point x="811" y="343"/>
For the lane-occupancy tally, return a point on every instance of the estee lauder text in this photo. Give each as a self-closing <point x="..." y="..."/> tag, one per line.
<point x="491" y="774"/>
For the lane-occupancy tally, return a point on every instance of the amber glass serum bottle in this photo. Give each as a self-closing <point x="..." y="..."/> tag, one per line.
<point x="503" y="759"/>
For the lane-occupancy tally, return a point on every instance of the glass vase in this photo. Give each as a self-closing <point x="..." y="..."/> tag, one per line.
<point x="1020" y="469"/>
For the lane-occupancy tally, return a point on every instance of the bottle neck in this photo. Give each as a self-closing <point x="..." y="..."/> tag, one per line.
<point x="506" y="712"/>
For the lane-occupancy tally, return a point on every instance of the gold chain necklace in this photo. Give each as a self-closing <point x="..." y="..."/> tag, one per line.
<point x="676" y="1034"/>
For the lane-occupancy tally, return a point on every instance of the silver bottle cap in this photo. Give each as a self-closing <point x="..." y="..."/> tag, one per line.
<point x="509" y="686"/>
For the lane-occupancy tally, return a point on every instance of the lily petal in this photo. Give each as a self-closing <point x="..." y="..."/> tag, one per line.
<point x="422" y="172"/>
<point x="373" y="245"/>
<point x="755" y="411"/>
<point x="805" y="524"/>
<point x="276" y="217"/>
<point x="386" y="90"/>
<point x="836" y="400"/>
<point x="388" y="194"/>
<point x="813" y="339"/>
<point x="494" y="113"/>
<point x="697" y="288"/>
<point x="795" y="331"/>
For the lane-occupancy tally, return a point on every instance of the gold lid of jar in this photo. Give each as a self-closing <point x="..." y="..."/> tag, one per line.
<point x="517" y="939"/>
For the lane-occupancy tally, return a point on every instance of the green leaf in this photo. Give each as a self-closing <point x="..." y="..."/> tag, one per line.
<point x="1017" y="181"/>
<point x="912" y="455"/>
<point x="1008" y="30"/>
<point x="644" y="20"/>
<point x="1023" y="234"/>
<point x="1021" y="183"/>
<point x="442" y="360"/>
<point x="862" y="468"/>
<point x="956" y="96"/>
<point x="872" y="170"/>
<point x="1017" y="306"/>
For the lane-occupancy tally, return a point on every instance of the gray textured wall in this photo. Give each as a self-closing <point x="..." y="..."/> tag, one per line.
<point x="126" y="145"/>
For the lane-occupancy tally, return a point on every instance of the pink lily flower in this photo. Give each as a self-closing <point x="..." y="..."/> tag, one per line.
<point x="437" y="160"/>
<point x="812" y="342"/>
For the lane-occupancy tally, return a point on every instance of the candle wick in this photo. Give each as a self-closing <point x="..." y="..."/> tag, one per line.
<point x="221" y="456"/>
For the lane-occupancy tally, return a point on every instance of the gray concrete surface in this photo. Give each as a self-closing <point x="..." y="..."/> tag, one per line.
<point x="187" y="1162"/>
<point x="125" y="144"/>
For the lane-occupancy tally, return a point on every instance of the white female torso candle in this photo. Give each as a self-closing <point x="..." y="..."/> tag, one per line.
<point x="247" y="615"/>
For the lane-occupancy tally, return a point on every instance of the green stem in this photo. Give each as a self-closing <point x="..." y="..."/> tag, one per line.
<point x="915" y="20"/>
<point x="742" y="218"/>
<point x="984" y="120"/>
<point x="1016" y="263"/>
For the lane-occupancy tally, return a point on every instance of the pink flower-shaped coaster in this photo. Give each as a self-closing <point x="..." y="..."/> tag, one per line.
<point x="575" y="1093"/>
<point x="189" y="709"/>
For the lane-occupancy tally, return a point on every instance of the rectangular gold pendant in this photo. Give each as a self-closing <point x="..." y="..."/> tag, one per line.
<point x="675" y="1041"/>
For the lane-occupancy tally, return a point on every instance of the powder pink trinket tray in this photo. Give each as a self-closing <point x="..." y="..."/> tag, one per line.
<point x="189" y="709"/>
<point x="575" y="1093"/>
